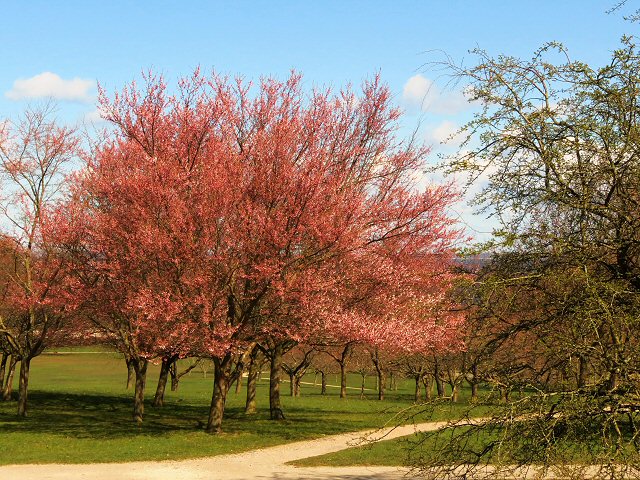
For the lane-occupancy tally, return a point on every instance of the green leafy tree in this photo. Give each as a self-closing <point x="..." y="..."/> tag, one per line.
<point x="557" y="147"/>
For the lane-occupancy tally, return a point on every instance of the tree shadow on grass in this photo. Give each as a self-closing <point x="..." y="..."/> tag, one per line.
<point x="95" y="416"/>
<point x="106" y="417"/>
<point x="100" y="416"/>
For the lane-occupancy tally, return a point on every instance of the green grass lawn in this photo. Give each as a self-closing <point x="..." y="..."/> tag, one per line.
<point x="402" y="451"/>
<point x="395" y="453"/>
<point x="426" y="449"/>
<point x="80" y="412"/>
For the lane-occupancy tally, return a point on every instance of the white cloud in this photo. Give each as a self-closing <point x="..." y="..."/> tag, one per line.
<point x="445" y="133"/>
<point x="93" y="117"/>
<point x="421" y="92"/>
<point x="47" y="84"/>
<point x="416" y="89"/>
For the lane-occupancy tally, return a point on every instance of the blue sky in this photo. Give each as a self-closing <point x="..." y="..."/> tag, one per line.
<point x="63" y="47"/>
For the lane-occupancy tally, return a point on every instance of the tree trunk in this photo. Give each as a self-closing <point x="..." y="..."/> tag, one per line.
<point x="454" y="392"/>
<point x="7" y="393"/>
<point x="582" y="372"/>
<point x="362" y="386"/>
<point x="474" y="384"/>
<point x="323" y="382"/>
<point x="131" y="374"/>
<point x="346" y="352"/>
<point x="158" y="400"/>
<point x="252" y="380"/>
<point x="427" y="380"/>
<point x="379" y="370"/>
<point x="176" y="375"/>
<point x="343" y="381"/>
<point x="3" y="366"/>
<point x="239" y="379"/>
<point x="440" y="387"/>
<point x="291" y="385"/>
<point x="296" y="385"/>
<point x="614" y="378"/>
<point x="504" y="394"/>
<point x="439" y="381"/>
<point x="23" y="388"/>
<point x="275" y="407"/>
<point x="417" y="397"/>
<point x="175" y="379"/>
<point x="474" y="391"/>
<point x="381" y="384"/>
<point x="140" y="367"/>
<point x="221" y="384"/>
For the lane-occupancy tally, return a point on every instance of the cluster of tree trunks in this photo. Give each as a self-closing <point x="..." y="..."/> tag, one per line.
<point x="7" y="371"/>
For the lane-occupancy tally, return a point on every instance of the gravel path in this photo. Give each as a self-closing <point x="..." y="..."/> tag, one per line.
<point x="267" y="463"/>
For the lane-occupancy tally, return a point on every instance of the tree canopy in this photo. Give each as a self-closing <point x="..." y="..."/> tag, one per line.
<point x="558" y="144"/>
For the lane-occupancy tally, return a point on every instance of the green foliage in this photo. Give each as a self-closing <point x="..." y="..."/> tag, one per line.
<point x="556" y="312"/>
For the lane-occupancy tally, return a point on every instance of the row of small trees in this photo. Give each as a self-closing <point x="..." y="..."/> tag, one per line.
<point x="323" y="364"/>
<point x="219" y="220"/>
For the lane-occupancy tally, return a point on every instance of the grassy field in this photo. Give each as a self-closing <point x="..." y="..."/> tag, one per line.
<point x="583" y="448"/>
<point x="397" y="452"/>
<point x="80" y="412"/>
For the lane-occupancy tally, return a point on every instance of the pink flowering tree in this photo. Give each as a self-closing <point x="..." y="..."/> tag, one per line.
<point x="35" y="156"/>
<point x="228" y="215"/>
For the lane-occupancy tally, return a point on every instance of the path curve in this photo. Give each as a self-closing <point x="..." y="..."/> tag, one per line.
<point x="261" y="464"/>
